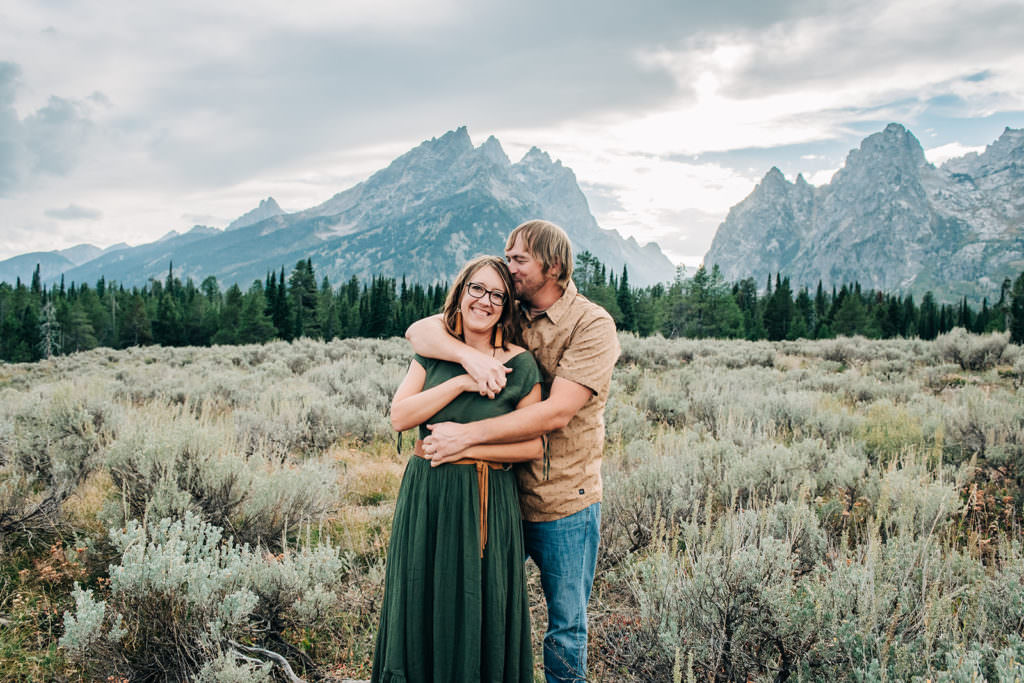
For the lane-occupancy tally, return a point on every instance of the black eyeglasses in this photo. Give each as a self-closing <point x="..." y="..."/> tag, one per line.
<point x="477" y="290"/>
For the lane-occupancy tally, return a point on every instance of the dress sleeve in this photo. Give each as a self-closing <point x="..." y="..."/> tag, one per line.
<point x="526" y="373"/>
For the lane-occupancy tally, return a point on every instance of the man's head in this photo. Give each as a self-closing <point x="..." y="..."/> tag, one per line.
<point x="538" y="253"/>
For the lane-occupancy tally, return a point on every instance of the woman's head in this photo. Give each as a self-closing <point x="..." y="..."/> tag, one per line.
<point x="461" y="297"/>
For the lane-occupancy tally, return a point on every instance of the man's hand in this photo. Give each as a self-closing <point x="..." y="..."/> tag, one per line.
<point x="429" y="338"/>
<point x="446" y="441"/>
<point x="489" y="373"/>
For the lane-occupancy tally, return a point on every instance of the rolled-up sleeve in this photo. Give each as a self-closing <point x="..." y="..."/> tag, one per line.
<point x="590" y="357"/>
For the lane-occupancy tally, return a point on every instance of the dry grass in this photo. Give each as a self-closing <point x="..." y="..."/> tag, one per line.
<point x="854" y="440"/>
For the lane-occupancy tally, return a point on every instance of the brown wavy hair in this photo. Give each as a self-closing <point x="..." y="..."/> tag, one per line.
<point x="548" y="243"/>
<point x="509" y="322"/>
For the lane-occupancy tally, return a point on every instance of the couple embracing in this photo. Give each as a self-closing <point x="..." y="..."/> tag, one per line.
<point x="508" y="388"/>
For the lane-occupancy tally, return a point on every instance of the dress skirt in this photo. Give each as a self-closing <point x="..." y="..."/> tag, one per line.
<point x="448" y="614"/>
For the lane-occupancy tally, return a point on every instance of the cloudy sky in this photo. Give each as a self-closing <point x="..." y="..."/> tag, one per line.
<point x="122" y="120"/>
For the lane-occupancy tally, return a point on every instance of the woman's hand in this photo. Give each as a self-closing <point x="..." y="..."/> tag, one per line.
<point x="488" y="373"/>
<point x="467" y="383"/>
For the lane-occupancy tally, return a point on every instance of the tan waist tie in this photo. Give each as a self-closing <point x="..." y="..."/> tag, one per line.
<point x="483" y="469"/>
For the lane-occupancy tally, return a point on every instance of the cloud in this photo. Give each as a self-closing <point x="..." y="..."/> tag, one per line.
<point x="813" y="78"/>
<point x="47" y="141"/>
<point x="943" y="153"/>
<point x="660" y="106"/>
<point x="822" y="177"/>
<point x="73" y="212"/>
<point x="10" y="129"/>
<point x="55" y="135"/>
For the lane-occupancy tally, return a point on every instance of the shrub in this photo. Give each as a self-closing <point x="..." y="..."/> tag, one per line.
<point x="182" y="596"/>
<point x="169" y="463"/>
<point x="729" y="598"/>
<point x="49" y="444"/>
<point x="989" y="425"/>
<point x="969" y="351"/>
<point x="760" y="595"/>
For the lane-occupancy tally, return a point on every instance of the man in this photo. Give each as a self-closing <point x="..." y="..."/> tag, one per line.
<point x="576" y="347"/>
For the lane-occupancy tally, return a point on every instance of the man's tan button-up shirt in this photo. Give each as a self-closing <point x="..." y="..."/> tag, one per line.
<point x="573" y="339"/>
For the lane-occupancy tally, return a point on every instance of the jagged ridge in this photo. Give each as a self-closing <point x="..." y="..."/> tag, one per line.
<point x="888" y="219"/>
<point x="420" y="217"/>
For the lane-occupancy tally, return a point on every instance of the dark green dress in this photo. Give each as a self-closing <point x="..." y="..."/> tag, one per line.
<point x="448" y="614"/>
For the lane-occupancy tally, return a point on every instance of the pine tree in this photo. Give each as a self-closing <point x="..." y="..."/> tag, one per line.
<point x="282" y="315"/>
<point x="744" y="294"/>
<point x="230" y="317"/>
<point x="1015" y="311"/>
<point x="928" y="320"/>
<point x="802" y="326"/>
<point x="167" y="327"/>
<point x="705" y="307"/>
<point x="303" y="297"/>
<point x="136" y="329"/>
<point x="778" y="312"/>
<point x="254" y="324"/>
<point x="79" y="334"/>
<point x="327" y="311"/>
<point x="909" y="319"/>
<point x="625" y="299"/>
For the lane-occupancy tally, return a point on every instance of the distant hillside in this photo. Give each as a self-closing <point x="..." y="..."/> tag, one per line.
<point x="52" y="264"/>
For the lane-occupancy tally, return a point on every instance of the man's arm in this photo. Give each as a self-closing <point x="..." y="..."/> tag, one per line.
<point x="516" y="451"/>
<point x="554" y="412"/>
<point x="430" y="339"/>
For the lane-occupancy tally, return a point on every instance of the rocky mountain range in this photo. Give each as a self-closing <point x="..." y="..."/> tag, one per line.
<point x="888" y="219"/>
<point x="422" y="217"/>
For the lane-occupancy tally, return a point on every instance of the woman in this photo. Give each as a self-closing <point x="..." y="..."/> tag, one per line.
<point x="455" y="605"/>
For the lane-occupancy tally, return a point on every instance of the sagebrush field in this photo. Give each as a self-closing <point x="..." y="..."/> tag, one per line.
<point x="841" y="509"/>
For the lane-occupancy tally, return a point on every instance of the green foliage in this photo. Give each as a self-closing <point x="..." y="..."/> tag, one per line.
<point x="182" y="594"/>
<point x="838" y="509"/>
<point x="972" y="352"/>
<point x="39" y="323"/>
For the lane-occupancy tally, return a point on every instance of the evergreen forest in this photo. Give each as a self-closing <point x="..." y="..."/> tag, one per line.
<point x="38" y="322"/>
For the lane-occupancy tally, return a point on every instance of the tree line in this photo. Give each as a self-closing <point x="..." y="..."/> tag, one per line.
<point x="706" y="306"/>
<point x="38" y="322"/>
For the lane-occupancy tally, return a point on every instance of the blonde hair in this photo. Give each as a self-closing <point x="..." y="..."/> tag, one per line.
<point x="548" y="243"/>
<point x="508" y="321"/>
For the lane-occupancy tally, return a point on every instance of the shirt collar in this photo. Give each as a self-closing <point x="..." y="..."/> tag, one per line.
<point x="557" y="309"/>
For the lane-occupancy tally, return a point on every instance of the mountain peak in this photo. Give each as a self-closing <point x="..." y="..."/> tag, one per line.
<point x="492" y="150"/>
<point x="895" y="144"/>
<point x="1010" y="144"/>
<point x="457" y="139"/>
<point x="421" y="216"/>
<point x="536" y="156"/>
<point x="267" y="208"/>
<point x="888" y="219"/>
<point x="434" y="153"/>
<point x="774" y="182"/>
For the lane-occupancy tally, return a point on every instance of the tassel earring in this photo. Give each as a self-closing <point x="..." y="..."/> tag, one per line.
<point x="499" y="337"/>
<point x="458" y="323"/>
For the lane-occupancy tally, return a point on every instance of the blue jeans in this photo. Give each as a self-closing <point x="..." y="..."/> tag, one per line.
<point x="565" y="550"/>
